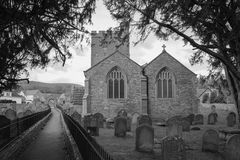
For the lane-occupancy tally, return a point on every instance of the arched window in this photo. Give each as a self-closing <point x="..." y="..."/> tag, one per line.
<point x="165" y="82"/>
<point x="116" y="83"/>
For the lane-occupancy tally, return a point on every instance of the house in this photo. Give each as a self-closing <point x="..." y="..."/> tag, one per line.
<point x="33" y="94"/>
<point x="13" y="96"/>
<point x="162" y="88"/>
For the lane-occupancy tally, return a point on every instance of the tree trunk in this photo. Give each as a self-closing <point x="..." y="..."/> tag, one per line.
<point x="234" y="86"/>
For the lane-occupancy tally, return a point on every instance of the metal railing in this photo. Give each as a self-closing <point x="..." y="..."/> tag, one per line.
<point x="87" y="145"/>
<point x="10" y="130"/>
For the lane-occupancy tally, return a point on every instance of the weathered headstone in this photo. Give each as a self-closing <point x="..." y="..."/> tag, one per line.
<point x="174" y="130"/>
<point x="212" y="118"/>
<point x="109" y="123"/>
<point x="11" y="114"/>
<point x="144" y="138"/>
<point x="77" y="117"/>
<point x="87" y="120"/>
<point x="100" y="119"/>
<point x="144" y="119"/>
<point x="232" y="148"/>
<point x="90" y="124"/>
<point x="129" y="123"/>
<point x="173" y="148"/>
<point x="210" y="141"/>
<point x="120" y="126"/>
<point x="122" y="112"/>
<point x="135" y="117"/>
<point x="231" y="119"/>
<point x="27" y="113"/>
<point x="198" y="119"/>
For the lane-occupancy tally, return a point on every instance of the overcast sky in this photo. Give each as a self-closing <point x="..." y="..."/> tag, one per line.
<point x="143" y="53"/>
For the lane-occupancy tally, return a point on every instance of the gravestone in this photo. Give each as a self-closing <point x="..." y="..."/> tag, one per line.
<point x="77" y="117"/>
<point x="27" y="113"/>
<point x="190" y="118"/>
<point x="109" y="123"/>
<point x="232" y="148"/>
<point x="87" y="120"/>
<point x="144" y="119"/>
<point x="173" y="148"/>
<point x="174" y="130"/>
<point x="185" y="125"/>
<point x="212" y="118"/>
<point x="100" y="119"/>
<point x="122" y="112"/>
<point x="231" y="119"/>
<point x="11" y="114"/>
<point x="210" y="141"/>
<point x="4" y="133"/>
<point x="120" y="126"/>
<point x="144" y="138"/>
<point x="174" y="120"/>
<point x="129" y="123"/>
<point x="135" y="117"/>
<point x="198" y="119"/>
<point x="90" y="124"/>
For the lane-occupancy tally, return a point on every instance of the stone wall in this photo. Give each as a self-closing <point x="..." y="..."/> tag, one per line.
<point x="184" y="99"/>
<point x="98" y="86"/>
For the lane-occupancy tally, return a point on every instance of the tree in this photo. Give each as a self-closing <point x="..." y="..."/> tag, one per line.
<point x="29" y="30"/>
<point x="212" y="27"/>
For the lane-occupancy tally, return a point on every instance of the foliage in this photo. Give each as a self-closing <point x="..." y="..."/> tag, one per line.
<point x="212" y="27"/>
<point x="31" y="29"/>
<point x="213" y="97"/>
<point x="205" y="98"/>
<point x="220" y="99"/>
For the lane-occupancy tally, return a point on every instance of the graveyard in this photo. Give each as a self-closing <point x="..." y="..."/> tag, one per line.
<point x="124" y="148"/>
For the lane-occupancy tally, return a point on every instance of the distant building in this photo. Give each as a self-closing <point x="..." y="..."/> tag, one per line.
<point x="33" y="94"/>
<point x="13" y="96"/>
<point x="77" y="95"/>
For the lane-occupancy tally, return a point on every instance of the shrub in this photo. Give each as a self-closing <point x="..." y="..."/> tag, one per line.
<point x="213" y="97"/>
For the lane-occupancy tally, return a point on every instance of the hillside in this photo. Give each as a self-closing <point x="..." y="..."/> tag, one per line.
<point x="56" y="88"/>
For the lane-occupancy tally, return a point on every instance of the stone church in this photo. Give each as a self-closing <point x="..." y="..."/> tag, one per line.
<point x="162" y="88"/>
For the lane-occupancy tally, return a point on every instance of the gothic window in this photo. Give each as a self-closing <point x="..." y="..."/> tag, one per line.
<point x="115" y="83"/>
<point x="165" y="84"/>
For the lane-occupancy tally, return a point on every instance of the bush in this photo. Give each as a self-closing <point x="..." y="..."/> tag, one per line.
<point x="213" y="97"/>
<point x="205" y="98"/>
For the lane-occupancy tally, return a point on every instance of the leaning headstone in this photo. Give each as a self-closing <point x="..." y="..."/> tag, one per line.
<point x="198" y="119"/>
<point x="11" y="114"/>
<point x="232" y="148"/>
<point x="77" y="117"/>
<point x="122" y="112"/>
<point x="120" y="126"/>
<point x="231" y="119"/>
<point x="27" y="113"/>
<point x="135" y="117"/>
<point x="144" y="119"/>
<point x="212" y="118"/>
<point x="173" y="148"/>
<point x="144" y="138"/>
<point x="210" y="141"/>
<point x="100" y="119"/>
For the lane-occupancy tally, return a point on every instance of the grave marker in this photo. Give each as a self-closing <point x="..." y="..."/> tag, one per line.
<point x="212" y="118"/>
<point x="173" y="148"/>
<point x="231" y="119"/>
<point x="100" y="119"/>
<point x="198" y="119"/>
<point x="210" y="141"/>
<point x="144" y="138"/>
<point x="232" y="148"/>
<point x="122" y="112"/>
<point x="120" y="126"/>
<point x="135" y="117"/>
<point x="144" y="119"/>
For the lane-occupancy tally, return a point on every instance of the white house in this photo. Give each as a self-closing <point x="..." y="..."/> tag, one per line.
<point x="13" y="96"/>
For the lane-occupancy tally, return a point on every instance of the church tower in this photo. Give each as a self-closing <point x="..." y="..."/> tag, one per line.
<point x="104" y="43"/>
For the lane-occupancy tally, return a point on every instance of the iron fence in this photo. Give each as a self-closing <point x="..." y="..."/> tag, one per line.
<point x="87" y="145"/>
<point x="10" y="130"/>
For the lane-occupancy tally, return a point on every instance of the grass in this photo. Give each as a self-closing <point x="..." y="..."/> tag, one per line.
<point x="124" y="148"/>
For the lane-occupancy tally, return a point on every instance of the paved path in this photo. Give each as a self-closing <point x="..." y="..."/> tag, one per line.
<point x="49" y="144"/>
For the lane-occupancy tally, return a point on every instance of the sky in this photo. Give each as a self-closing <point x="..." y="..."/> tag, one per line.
<point x="142" y="53"/>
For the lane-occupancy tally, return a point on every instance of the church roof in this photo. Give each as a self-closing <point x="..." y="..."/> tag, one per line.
<point x="165" y="52"/>
<point x="110" y="56"/>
